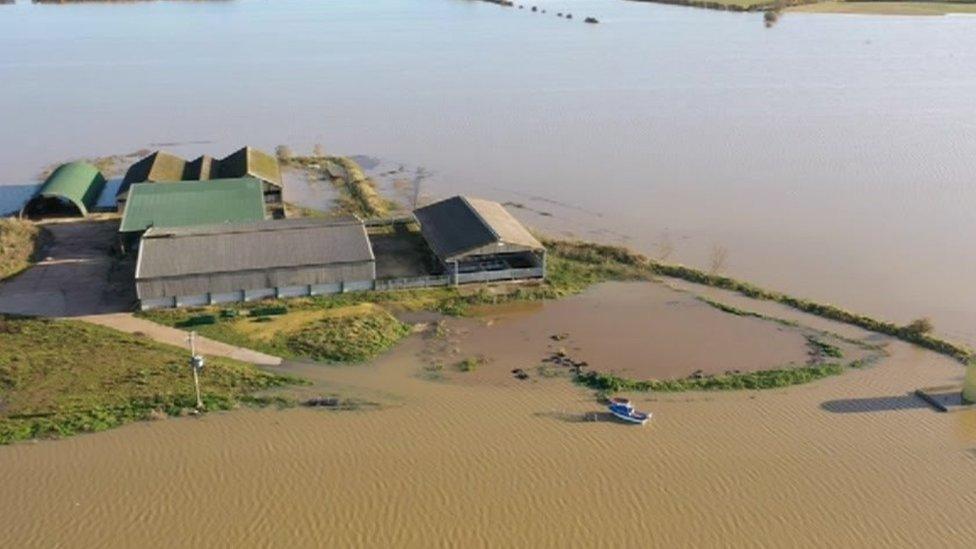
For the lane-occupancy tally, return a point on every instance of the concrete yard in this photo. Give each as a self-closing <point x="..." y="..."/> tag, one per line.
<point x="400" y="253"/>
<point x="77" y="276"/>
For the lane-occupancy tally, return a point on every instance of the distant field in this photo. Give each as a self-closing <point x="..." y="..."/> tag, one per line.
<point x="914" y="7"/>
<point x="728" y="5"/>
<point x="888" y="8"/>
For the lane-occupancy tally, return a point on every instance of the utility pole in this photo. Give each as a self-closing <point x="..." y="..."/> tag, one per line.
<point x="196" y="364"/>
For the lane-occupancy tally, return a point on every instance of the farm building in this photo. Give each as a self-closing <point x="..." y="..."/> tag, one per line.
<point x="478" y="240"/>
<point x="189" y="203"/>
<point x="250" y="162"/>
<point x="202" y="168"/>
<point x="71" y="190"/>
<point x="162" y="167"/>
<point x="245" y="261"/>
<point x="158" y="167"/>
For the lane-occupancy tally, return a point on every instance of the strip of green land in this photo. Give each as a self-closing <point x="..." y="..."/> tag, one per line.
<point x="866" y="7"/>
<point x="63" y="377"/>
<point x="888" y="8"/>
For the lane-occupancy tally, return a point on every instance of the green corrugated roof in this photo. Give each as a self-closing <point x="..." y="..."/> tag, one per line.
<point x="79" y="182"/>
<point x="181" y="204"/>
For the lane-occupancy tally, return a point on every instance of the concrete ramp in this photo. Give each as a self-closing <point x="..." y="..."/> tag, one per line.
<point x="126" y="322"/>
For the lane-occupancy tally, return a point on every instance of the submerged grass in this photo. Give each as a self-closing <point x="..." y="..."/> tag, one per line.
<point x="764" y="379"/>
<point x="358" y="192"/>
<point x="62" y="377"/>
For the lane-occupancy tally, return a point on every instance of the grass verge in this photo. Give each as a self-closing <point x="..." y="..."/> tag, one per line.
<point x="20" y="243"/>
<point x="871" y="7"/>
<point x="62" y="377"/>
<point x="336" y="329"/>
<point x="764" y="379"/>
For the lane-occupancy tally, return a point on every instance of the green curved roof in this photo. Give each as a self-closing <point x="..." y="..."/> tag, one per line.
<point x="79" y="182"/>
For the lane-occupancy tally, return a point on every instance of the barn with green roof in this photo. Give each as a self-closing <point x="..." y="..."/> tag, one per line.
<point x="183" y="204"/>
<point x="71" y="190"/>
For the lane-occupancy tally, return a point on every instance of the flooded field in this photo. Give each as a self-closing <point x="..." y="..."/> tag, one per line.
<point x="849" y="461"/>
<point x="799" y="157"/>
<point x="635" y="330"/>
<point x="852" y="460"/>
<point x="829" y="157"/>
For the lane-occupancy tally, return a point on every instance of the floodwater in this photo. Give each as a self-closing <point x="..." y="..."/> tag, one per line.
<point x="636" y="330"/>
<point x="853" y="460"/>
<point x="830" y="156"/>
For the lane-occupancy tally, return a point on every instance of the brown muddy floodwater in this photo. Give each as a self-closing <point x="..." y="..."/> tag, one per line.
<point x="850" y="461"/>
<point x="636" y="330"/>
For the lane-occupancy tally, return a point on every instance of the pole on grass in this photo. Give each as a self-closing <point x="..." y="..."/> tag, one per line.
<point x="196" y="364"/>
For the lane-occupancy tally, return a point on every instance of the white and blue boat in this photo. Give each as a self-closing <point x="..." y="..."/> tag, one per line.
<point x="622" y="409"/>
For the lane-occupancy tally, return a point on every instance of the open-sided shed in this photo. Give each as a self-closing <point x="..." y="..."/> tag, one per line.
<point x="71" y="190"/>
<point x="472" y="236"/>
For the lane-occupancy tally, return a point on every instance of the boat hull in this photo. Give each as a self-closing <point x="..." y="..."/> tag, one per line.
<point x="636" y="418"/>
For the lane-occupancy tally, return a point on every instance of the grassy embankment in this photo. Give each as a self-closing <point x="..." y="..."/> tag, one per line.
<point x="357" y="192"/>
<point x="733" y="5"/>
<point x="62" y="377"/>
<point x="20" y="242"/>
<point x="867" y="7"/>
<point x="871" y="7"/>
<point x="330" y="330"/>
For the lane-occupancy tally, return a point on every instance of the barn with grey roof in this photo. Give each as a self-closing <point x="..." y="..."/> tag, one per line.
<point x="474" y="238"/>
<point x="245" y="261"/>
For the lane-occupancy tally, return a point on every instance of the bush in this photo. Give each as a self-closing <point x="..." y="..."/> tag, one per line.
<point x="283" y="152"/>
<point x="199" y="320"/>
<point x="471" y="364"/>
<point x="919" y="326"/>
<point x="270" y="311"/>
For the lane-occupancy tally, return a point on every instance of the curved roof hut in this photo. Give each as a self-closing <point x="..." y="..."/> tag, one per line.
<point x="71" y="189"/>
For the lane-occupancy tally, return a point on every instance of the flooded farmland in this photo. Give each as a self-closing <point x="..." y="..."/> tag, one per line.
<point x="799" y="157"/>
<point x="829" y="157"/>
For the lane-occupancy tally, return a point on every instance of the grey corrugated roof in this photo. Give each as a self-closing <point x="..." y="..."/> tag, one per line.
<point x="236" y="247"/>
<point x="461" y="224"/>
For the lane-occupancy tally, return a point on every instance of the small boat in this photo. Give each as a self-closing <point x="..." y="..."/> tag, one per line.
<point x="622" y="409"/>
